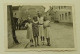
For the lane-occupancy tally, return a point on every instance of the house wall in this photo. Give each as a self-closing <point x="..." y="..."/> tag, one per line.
<point x="63" y="13"/>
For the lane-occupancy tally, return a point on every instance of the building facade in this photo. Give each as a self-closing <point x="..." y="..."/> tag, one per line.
<point x="15" y="10"/>
<point x="62" y="13"/>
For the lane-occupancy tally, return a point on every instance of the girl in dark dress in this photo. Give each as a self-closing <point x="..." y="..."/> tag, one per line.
<point x="35" y="30"/>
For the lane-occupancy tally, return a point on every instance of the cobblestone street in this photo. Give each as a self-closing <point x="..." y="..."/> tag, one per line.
<point x="61" y="37"/>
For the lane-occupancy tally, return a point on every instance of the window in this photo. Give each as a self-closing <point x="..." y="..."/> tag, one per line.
<point x="59" y="7"/>
<point x="15" y="13"/>
<point x="65" y="15"/>
<point x="69" y="14"/>
<point x="62" y="16"/>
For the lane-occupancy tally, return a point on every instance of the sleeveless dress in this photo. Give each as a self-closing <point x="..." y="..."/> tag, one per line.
<point x="35" y="29"/>
<point x="29" y="30"/>
<point x="41" y="29"/>
<point x="47" y="28"/>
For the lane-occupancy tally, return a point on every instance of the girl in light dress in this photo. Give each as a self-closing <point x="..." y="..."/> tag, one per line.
<point x="29" y="31"/>
<point x="41" y="29"/>
<point x="47" y="30"/>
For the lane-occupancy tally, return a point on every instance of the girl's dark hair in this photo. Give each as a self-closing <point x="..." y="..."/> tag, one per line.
<point x="35" y="17"/>
<point x="29" y="20"/>
<point x="39" y="15"/>
<point x="45" y="18"/>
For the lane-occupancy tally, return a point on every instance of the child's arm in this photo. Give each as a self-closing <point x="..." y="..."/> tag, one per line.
<point x="49" y="23"/>
<point x="26" y="25"/>
<point x="38" y="23"/>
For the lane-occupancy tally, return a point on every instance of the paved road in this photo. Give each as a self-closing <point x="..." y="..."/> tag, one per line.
<point x="61" y="37"/>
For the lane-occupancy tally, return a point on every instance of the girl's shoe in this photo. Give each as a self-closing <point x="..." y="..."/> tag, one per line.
<point x="48" y="42"/>
<point x="37" y="44"/>
<point x="31" y="45"/>
<point x="43" y="43"/>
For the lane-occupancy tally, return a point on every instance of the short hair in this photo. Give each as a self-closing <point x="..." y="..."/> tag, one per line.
<point x="39" y="14"/>
<point x="35" y="17"/>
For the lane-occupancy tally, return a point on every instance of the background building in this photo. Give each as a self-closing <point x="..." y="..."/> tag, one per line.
<point x="15" y="10"/>
<point x="61" y="13"/>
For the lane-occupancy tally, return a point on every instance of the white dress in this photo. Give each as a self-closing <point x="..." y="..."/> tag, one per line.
<point x="47" y="28"/>
<point x="41" y="29"/>
<point x="29" y="30"/>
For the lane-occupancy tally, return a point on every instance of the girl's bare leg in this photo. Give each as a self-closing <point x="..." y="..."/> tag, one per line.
<point x="37" y="41"/>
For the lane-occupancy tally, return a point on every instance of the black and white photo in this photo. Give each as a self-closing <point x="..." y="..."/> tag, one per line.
<point x="40" y="27"/>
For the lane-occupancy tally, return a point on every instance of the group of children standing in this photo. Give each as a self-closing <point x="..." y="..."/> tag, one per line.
<point x="37" y="28"/>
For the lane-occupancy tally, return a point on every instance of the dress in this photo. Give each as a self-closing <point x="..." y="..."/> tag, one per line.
<point x="29" y="30"/>
<point x="41" y="29"/>
<point x="35" y="29"/>
<point x="47" y="28"/>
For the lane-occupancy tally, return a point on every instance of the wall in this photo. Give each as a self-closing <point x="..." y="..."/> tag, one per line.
<point x="16" y="13"/>
<point x="10" y="38"/>
<point x="62" y="13"/>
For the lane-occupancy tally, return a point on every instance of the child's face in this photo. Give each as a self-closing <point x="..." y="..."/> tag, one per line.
<point x="35" y="19"/>
<point x="29" y="21"/>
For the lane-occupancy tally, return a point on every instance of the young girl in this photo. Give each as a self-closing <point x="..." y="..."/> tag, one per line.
<point x="41" y="29"/>
<point x="29" y="32"/>
<point x="47" y="30"/>
<point x="35" y="31"/>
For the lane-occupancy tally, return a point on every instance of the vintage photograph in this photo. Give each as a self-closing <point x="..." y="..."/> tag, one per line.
<point x="39" y="26"/>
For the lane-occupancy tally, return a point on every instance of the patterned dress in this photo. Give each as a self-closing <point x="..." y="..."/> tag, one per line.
<point x="35" y="29"/>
